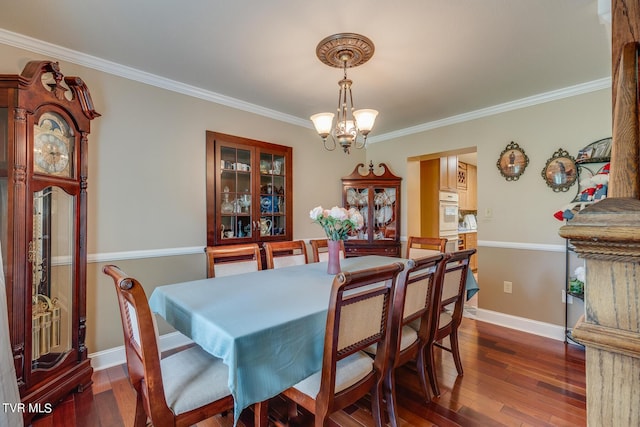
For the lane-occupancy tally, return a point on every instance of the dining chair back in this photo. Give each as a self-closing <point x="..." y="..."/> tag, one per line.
<point x="425" y="246"/>
<point x="447" y="313"/>
<point x="179" y="390"/>
<point x="358" y="316"/>
<point x="412" y="303"/>
<point x="285" y="254"/>
<point x="228" y="260"/>
<point x="319" y="250"/>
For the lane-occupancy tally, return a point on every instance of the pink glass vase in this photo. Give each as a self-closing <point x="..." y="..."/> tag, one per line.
<point x="333" y="266"/>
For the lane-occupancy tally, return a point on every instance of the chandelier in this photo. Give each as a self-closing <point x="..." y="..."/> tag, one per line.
<point x="345" y="50"/>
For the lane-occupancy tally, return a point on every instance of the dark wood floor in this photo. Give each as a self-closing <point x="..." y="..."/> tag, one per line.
<point x="510" y="379"/>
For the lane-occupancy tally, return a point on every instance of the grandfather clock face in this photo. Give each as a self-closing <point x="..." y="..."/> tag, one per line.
<point x="53" y="146"/>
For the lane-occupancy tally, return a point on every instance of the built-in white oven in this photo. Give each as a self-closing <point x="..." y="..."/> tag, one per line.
<point x="448" y="214"/>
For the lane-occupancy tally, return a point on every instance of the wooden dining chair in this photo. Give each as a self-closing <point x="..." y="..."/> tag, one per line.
<point x="178" y="390"/>
<point x="425" y="246"/>
<point x="413" y="302"/>
<point x="232" y="259"/>
<point x="319" y="250"/>
<point x="358" y="316"/>
<point x="447" y="313"/>
<point x="285" y="254"/>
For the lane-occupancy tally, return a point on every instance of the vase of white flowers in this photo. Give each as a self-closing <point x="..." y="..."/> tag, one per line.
<point x="337" y="224"/>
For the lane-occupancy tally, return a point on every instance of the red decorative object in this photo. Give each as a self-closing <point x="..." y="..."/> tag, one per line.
<point x="333" y="266"/>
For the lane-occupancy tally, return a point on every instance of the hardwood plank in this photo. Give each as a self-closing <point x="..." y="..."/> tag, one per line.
<point x="511" y="378"/>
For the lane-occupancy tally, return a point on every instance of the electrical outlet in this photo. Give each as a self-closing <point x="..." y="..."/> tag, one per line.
<point x="508" y="287"/>
<point x="563" y="296"/>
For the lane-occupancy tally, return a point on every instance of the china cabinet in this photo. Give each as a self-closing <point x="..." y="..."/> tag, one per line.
<point x="249" y="190"/>
<point x="44" y="123"/>
<point x="377" y="198"/>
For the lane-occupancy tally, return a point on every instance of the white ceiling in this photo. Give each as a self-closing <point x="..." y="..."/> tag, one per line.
<point x="434" y="59"/>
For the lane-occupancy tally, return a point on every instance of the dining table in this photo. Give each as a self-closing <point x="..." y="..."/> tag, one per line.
<point x="267" y="326"/>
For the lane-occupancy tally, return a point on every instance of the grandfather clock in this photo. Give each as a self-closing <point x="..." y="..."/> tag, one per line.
<point x="44" y="124"/>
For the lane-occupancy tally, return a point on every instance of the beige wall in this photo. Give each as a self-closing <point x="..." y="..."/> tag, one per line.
<point x="519" y="242"/>
<point x="147" y="186"/>
<point x="147" y="180"/>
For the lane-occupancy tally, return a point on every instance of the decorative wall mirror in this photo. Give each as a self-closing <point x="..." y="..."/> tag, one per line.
<point x="560" y="172"/>
<point x="512" y="162"/>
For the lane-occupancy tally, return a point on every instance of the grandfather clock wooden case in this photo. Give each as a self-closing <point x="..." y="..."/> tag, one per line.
<point x="44" y="124"/>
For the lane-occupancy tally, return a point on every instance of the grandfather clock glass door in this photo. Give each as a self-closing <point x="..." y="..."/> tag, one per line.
<point x="51" y="255"/>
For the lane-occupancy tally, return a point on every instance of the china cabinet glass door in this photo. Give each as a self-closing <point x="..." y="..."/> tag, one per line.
<point x="378" y="211"/>
<point x="236" y="195"/>
<point x="273" y="211"/>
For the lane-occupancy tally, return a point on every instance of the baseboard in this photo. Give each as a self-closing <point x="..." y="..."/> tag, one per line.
<point x="116" y="356"/>
<point x="535" y="327"/>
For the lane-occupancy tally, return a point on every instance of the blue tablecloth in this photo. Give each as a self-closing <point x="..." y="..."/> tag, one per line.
<point x="472" y="285"/>
<point x="267" y="326"/>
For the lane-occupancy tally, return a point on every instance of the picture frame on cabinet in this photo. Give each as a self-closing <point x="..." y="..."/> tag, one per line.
<point x="596" y="152"/>
<point x="560" y="172"/>
<point x="512" y="162"/>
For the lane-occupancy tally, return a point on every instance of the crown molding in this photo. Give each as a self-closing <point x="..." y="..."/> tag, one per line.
<point x="109" y="67"/>
<point x="42" y="47"/>
<point x="580" y="89"/>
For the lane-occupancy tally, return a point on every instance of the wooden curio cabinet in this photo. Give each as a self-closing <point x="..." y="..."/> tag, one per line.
<point x="249" y="190"/>
<point x="44" y="124"/>
<point x="377" y="198"/>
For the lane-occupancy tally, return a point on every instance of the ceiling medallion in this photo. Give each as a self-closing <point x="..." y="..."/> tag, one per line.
<point x="345" y="49"/>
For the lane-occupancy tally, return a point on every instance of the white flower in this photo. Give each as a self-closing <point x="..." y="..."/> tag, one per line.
<point x="338" y="222"/>
<point x="579" y="272"/>
<point x="338" y="213"/>
<point x="316" y="213"/>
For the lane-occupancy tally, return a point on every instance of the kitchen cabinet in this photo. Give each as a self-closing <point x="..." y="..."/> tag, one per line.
<point x="467" y="187"/>
<point x="377" y="198"/>
<point x="44" y="127"/>
<point x="434" y="176"/>
<point x="469" y="240"/>
<point x="249" y="190"/>
<point x="448" y="173"/>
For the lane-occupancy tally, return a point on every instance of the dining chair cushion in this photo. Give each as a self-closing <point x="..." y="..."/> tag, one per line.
<point x="408" y="337"/>
<point x="232" y="268"/>
<point x="445" y="319"/>
<point x="288" y="261"/>
<point x="415" y="324"/>
<point x="349" y="371"/>
<point x="193" y="378"/>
